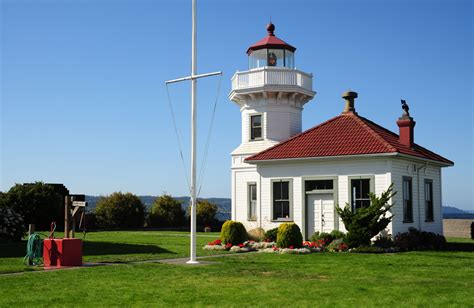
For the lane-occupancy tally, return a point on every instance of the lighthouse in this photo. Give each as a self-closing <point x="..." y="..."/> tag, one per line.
<point x="271" y="95"/>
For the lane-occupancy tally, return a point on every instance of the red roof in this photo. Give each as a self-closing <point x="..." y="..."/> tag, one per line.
<point x="346" y="134"/>
<point x="270" y="41"/>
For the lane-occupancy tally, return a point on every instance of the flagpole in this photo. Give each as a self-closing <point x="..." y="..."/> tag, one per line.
<point x="192" y="258"/>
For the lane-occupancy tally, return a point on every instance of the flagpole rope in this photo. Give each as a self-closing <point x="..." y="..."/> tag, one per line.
<point x="178" y="139"/>
<point x="208" y="141"/>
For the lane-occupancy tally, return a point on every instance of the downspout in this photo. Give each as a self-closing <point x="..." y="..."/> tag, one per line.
<point x="418" y="168"/>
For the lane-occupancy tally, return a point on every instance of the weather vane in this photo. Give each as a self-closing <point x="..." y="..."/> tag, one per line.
<point x="405" y="108"/>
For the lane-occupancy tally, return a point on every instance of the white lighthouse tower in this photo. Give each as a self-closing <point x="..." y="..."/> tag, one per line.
<point x="271" y="95"/>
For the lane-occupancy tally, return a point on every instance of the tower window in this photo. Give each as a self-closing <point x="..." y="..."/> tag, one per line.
<point x="256" y="127"/>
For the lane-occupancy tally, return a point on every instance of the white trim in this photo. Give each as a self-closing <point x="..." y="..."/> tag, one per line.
<point x="283" y="160"/>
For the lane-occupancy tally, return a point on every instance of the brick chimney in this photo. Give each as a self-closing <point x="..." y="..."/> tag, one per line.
<point x="406" y="124"/>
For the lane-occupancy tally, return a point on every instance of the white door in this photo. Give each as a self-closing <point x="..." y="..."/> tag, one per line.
<point x="320" y="213"/>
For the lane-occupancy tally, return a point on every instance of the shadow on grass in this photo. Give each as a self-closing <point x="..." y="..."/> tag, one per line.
<point x="12" y="249"/>
<point x="107" y="248"/>
<point x="18" y="249"/>
<point x="460" y="246"/>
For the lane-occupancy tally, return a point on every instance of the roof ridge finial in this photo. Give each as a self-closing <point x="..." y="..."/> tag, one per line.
<point x="271" y="28"/>
<point x="349" y="97"/>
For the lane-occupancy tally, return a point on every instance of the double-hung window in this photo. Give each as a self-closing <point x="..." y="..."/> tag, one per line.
<point x="252" y="196"/>
<point x="360" y="189"/>
<point x="281" y="200"/>
<point x="407" y="200"/>
<point x="429" y="212"/>
<point x="256" y="127"/>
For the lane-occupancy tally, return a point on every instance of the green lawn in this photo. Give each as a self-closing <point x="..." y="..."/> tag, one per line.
<point x="254" y="279"/>
<point x="117" y="246"/>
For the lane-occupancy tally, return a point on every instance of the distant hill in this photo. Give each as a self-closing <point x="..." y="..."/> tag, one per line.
<point x="455" y="213"/>
<point x="223" y="204"/>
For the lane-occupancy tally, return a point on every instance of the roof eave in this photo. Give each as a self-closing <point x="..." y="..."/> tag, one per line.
<point x="303" y="159"/>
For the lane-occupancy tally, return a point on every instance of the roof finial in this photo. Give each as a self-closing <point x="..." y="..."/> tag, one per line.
<point x="271" y="28"/>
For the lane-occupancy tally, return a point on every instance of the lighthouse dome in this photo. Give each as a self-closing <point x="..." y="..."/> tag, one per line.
<point x="271" y="51"/>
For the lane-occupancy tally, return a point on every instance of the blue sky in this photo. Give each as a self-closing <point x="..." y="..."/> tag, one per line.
<point x="83" y="100"/>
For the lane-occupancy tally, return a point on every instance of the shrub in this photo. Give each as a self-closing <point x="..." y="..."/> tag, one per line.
<point x="233" y="232"/>
<point x="337" y="245"/>
<point x="384" y="241"/>
<point x="321" y="237"/>
<point x="166" y="212"/>
<point x="257" y="234"/>
<point x="11" y="224"/>
<point x="289" y="234"/>
<point x="366" y="222"/>
<point x="420" y="240"/>
<point x="336" y="234"/>
<point x="120" y="210"/>
<point x="271" y="235"/>
<point x="36" y="203"/>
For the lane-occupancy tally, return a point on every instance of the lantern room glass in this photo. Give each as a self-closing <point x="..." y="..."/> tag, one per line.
<point x="271" y="57"/>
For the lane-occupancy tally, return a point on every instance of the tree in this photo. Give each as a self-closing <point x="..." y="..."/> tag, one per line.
<point x="36" y="203"/>
<point x="166" y="212"/>
<point x="365" y="223"/>
<point x="205" y="212"/>
<point x="120" y="210"/>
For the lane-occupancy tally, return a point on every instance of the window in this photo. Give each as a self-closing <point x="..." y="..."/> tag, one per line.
<point x="256" y="127"/>
<point x="360" y="189"/>
<point x="319" y="185"/>
<point x="281" y="200"/>
<point x="429" y="213"/>
<point x="252" y="193"/>
<point x="407" y="200"/>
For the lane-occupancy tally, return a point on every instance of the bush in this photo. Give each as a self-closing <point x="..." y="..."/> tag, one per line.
<point x="384" y="241"/>
<point x="12" y="226"/>
<point x="336" y="234"/>
<point x="321" y="236"/>
<point x="36" y="203"/>
<point x="257" y="234"/>
<point x="166" y="212"/>
<point x="271" y="235"/>
<point x="337" y="245"/>
<point x="120" y="210"/>
<point x="233" y="232"/>
<point x="365" y="223"/>
<point x="420" y="240"/>
<point x="289" y="235"/>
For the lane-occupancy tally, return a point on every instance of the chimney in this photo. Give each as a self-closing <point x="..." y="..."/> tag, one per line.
<point x="406" y="124"/>
<point x="349" y="96"/>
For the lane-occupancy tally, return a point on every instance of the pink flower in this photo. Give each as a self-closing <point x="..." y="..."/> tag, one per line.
<point x="291" y="247"/>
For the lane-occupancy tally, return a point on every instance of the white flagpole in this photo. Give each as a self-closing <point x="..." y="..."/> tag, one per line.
<point x="192" y="259"/>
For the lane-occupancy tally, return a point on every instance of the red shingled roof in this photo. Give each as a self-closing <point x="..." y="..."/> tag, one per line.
<point x="270" y="41"/>
<point x="346" y="134"/>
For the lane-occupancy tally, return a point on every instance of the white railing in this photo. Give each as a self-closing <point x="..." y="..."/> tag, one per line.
<point x="271" y="76"/>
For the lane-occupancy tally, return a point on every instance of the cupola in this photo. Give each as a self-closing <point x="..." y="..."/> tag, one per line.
<point x="271" y="51"/>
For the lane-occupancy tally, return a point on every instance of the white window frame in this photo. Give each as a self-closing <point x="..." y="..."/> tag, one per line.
<point x="251" y="217"/>
<point x="290" y="200"/>
<point x="261" y="126"/>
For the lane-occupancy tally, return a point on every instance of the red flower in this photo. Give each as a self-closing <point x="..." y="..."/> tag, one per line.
<point x="291" y="247"/>
<point x="211" y="244"/>
<point x="241" y="245"/>
<point x="217" y="242"/>
<point x="228" y="245"/>
<point x="275" y="248"/>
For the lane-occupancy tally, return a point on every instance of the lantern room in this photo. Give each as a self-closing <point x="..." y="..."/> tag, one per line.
<point x="271" y="51"/>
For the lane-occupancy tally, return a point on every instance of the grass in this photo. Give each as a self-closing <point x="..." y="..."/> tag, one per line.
<point x="254" y="279"/>
<point x="116" y="246"/>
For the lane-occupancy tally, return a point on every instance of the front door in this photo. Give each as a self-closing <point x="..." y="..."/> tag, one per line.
<point x="319" y="213"/>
